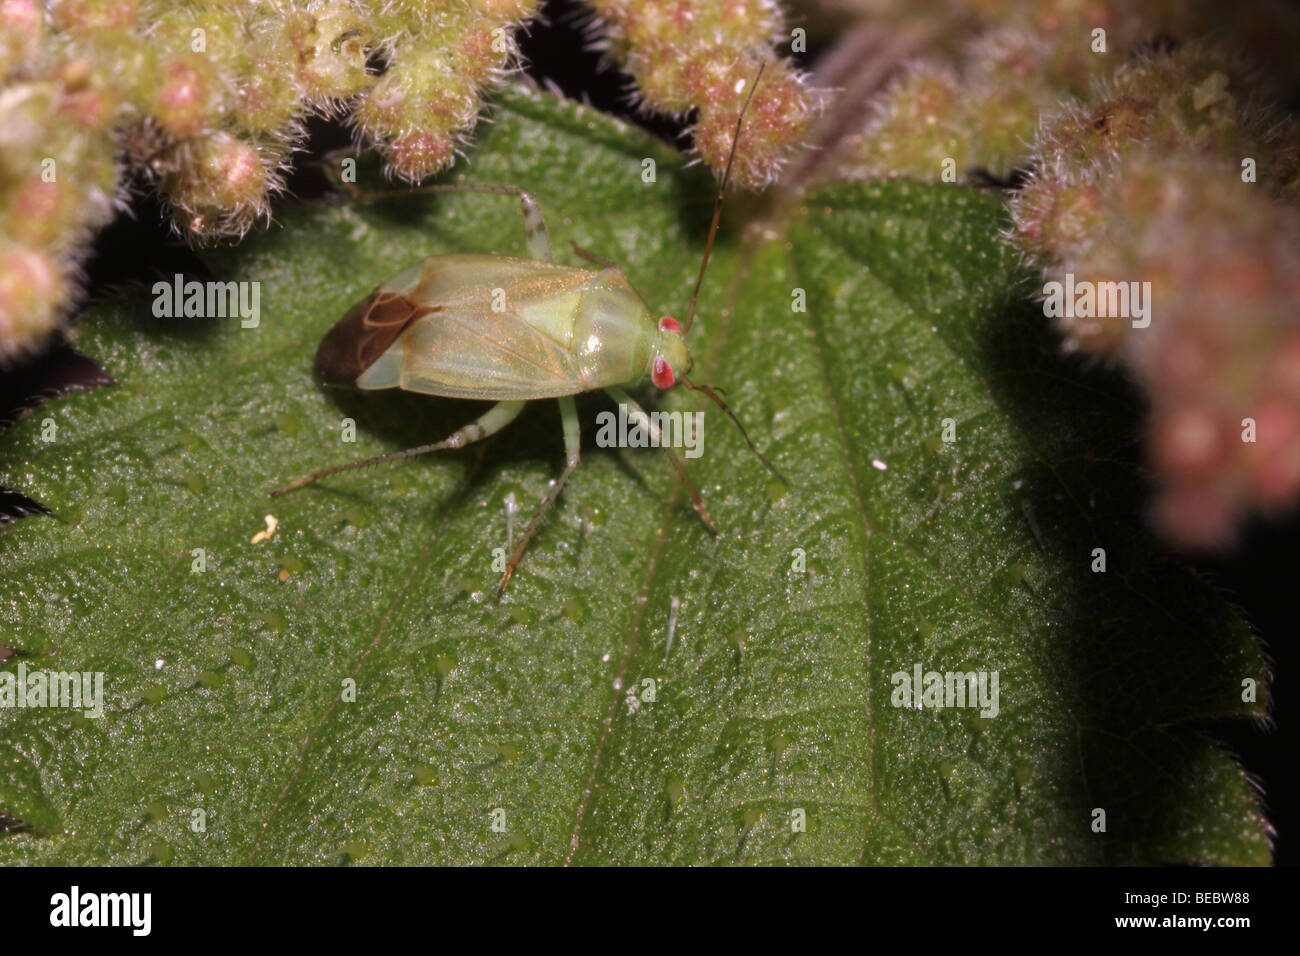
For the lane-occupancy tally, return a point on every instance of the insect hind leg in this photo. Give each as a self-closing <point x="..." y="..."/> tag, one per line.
<point x="489" y="423"/>
<point x="593" y="257"/>
<point x="536" y="236"/>
<point x="572" y="450"/>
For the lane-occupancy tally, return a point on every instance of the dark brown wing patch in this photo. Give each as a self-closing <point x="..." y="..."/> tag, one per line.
<point x="364" y="334"/>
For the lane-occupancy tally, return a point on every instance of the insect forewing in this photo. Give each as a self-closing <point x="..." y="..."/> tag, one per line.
<point x="458" y="353"/>
<point x="502" y="329"/>
<point x="465" y="339"/>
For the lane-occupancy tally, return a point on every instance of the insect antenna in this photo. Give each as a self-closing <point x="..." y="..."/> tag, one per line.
<point x="732" y="415"/>
<point x="717" y="204"/>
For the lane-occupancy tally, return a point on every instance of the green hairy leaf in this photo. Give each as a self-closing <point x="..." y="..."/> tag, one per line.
<point x="348" y="691"/>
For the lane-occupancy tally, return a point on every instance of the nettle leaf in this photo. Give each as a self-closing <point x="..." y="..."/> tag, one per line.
<point x="645" y="693"/>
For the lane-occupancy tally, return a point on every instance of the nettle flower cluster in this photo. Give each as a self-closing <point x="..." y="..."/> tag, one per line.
<point x="704" y="54"/>
<point x="1171" y="174"/>
<point x="942" y="120"/>
<point x="994" y="68"/>
<point x="206" y="100"/>
<point x="1155" y="160"/>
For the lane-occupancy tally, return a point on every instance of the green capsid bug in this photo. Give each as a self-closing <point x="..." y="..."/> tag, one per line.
<point x="512" y="330"/>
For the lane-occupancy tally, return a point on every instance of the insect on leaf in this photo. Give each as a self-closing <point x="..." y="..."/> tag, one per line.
<point x="345" y="690"/>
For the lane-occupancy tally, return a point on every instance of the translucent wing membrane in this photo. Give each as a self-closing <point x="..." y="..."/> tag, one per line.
<point x="458" y="353"/>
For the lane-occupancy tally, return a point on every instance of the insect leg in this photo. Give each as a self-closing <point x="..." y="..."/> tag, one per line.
<point x="536" y="236"/>
<point x="489" y="423"/>
<point x="572" y="448"/>
<point x="592" y="257"/>
<point x="637" y="413"/>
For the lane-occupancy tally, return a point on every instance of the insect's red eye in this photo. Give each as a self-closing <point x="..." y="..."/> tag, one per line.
<point x="669" y="324"/>
<point x="661" y="373"/>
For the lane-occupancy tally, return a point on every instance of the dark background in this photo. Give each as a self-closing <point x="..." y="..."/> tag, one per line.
<point x="1258" y="577"/>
